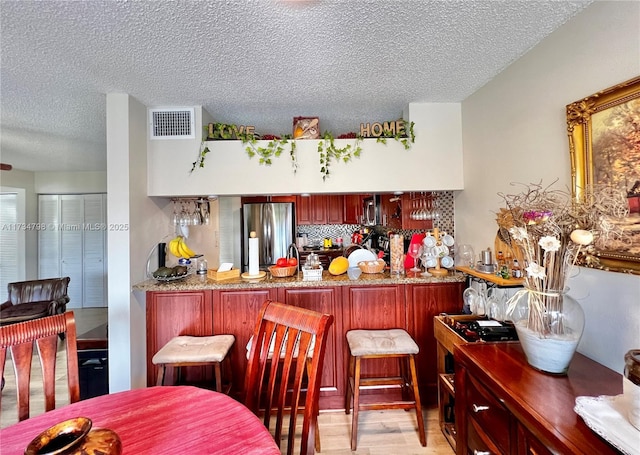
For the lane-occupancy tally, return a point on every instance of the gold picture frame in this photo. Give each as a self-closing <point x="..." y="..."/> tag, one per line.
<point x="592" y="123"/>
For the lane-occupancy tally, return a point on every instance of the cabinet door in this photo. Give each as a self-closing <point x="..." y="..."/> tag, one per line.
<point x="318" y="209"/>
<point x="424" y="301"/>
<point x="323" y="300"/>
<point x="303" y="209"/>
<point x="170" y="314"/>
<point x="374" y="307"/>
<point x="334" y="204"/>
<point x="282" y="199"/>
<point x="352" y="212"/>
<point x="236" y="312"/>
<point x="391" y="211"/>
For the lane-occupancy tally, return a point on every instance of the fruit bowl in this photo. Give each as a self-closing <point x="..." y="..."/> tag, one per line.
<point x="283" y="272"/>
<point x="170" y="273"/>
<point x="372" y="266"/>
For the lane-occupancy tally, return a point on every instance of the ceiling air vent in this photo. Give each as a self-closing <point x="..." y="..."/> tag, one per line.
<point x="172" y="123"/>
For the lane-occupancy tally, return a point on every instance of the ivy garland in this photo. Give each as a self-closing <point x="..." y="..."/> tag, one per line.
<point x="327" y="149"/>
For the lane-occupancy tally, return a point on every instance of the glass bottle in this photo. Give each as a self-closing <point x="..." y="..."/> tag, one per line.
<point x="516" y="271"/>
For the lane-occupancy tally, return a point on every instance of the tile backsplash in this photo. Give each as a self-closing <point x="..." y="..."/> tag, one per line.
<point x="445" y="223"/>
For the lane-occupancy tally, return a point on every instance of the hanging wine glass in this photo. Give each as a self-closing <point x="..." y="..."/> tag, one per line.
<point x="175" y="218"/>
<point x="195" y="215"/>
<point x="205" y="212"/>
<point x="185" y="219"/>
<point x="436" y="211"/>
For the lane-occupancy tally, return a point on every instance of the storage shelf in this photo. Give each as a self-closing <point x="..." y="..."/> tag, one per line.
<point x="447" y="380"/>
<point x="492" y="278"/>
<point x="449" y="431"/>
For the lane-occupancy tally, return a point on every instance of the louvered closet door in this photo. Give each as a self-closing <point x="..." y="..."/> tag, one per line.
<point x="94" y="242"/>
<point x="9" y="252"/>
<point x="71" y="233"/>
<point x="49" y="238"/>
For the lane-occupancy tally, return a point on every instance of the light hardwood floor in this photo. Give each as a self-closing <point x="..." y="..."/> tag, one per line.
<point x="391" y="432"/>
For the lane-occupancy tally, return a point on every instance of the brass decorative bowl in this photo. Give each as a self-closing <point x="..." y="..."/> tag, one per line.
<point x="75" y="437"/>
<point x="60" y="438"/>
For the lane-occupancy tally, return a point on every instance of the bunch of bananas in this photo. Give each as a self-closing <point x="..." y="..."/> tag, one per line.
<point x="179" y="248"/>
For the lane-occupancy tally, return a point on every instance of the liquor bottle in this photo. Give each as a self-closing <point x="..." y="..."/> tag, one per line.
<point x="516" y="271"/>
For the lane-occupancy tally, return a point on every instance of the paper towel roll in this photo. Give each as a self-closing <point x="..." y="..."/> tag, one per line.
<point x="254" y="260"/>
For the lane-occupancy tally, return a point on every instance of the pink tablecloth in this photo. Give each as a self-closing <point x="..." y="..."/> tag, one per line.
<point x="159" y="420"/>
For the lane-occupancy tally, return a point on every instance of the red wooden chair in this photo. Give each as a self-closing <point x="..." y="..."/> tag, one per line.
<point x="19" y="340"/>
<point x="296" y="333"/>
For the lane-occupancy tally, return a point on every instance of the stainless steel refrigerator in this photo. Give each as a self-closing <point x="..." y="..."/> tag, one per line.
<point x="274" y="224"/>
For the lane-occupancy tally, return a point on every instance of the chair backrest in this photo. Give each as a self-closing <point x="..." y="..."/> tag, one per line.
<point x="299" y="334"/>
<point x="20" y="338"/>
<point x="38" y="290"/>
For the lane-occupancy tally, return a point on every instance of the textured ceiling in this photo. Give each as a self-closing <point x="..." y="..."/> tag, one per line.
<point x="247" y="62"/>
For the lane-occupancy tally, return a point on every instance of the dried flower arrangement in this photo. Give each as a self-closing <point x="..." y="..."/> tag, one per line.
<point x="551" y="227"/>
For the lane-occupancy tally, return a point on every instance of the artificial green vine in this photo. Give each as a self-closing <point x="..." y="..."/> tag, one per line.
<point x="274" y="148"/>
<point x="328" y="151"/>
<point x="201" y="156"/>
<point x="405" y="140"/>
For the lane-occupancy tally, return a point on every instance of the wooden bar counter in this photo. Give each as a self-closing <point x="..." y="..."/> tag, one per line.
<point x="201" y="306"/>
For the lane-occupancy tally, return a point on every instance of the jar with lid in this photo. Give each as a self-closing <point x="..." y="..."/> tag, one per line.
<point x="396" y="250"/>
<point x="631" y="385"/>
<point x="201" y="266"/>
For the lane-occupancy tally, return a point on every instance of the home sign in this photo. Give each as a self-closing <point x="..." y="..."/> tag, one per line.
<point x="382" y="129"/>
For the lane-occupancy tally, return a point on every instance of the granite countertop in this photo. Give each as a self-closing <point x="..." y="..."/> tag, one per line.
<point x="200" y="282"/>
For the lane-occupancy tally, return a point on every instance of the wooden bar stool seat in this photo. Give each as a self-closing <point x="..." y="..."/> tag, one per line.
<point x="376" y="344"/>
<point x="189" y="351"/>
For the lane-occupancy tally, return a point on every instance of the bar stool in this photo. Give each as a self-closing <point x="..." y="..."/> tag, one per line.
<point x="189" y="351"/>
<point x="377" y="344"/>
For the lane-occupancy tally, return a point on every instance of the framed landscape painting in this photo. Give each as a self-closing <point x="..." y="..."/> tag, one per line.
<point x="604" y="145"/>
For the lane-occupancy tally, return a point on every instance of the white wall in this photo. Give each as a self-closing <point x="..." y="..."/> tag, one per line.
<point x="70" y="182"/>
<point x="144" y="223"/>
<point x="514" y="130"/>
<point x="434" y="162"/>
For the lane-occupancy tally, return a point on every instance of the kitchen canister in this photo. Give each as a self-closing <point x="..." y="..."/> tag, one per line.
<point x="631" y="385"/>
<point x="396" y="250"/>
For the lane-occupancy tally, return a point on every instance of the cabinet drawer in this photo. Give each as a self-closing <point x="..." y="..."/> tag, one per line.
<point x="489" y="413"/>
<point x="478" y="442"/>
<point x="529" y="445"/>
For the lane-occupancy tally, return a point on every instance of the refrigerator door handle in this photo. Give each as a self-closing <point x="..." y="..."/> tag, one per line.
<point x="267" y="218"/>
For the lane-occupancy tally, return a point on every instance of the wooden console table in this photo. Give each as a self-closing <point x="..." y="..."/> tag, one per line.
<point x="509" y="407"/>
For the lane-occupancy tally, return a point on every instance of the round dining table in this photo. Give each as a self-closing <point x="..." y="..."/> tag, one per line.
<point x="158" y="420"/>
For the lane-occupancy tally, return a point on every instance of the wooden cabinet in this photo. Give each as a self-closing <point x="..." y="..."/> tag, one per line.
<point x="411" y="205"/>
<point x="447" y="339"/>
<point x="170" y="314"/>
<point x="424" y="302"/>
<point x="504" y="406"/>
<point x="373" y="306"/>
<point x="324" y="300"/>
<point x="258" y="199"/>
<point x="319" y="209"/>
<point x="235" y="311"/>
<point x="352" y="212"/>
<point x="391" y="211"/>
